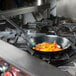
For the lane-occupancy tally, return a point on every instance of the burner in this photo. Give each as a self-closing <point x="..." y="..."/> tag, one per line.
<point x="56" y="59"/>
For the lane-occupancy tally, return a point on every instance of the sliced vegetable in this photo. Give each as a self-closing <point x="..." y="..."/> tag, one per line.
<point x="47" y="46"/>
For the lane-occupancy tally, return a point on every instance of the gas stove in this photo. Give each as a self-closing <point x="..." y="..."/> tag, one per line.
<point x="62" y="28"/>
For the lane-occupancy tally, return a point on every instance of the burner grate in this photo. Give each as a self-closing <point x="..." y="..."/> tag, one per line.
<point x="55" y="59"/>
<point x="71" y="26"/>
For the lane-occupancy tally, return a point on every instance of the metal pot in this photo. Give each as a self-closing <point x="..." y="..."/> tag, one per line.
<point x="37" y="2"/>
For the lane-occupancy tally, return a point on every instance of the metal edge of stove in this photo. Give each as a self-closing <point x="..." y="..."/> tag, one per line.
<point x="27" y="63"/>
<point x="23" y="10"/>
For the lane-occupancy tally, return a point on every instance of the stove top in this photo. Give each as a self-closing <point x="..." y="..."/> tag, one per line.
<point x="63" y="28"/>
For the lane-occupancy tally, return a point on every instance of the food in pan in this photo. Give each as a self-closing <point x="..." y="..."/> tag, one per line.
<point x="47" y="47"/>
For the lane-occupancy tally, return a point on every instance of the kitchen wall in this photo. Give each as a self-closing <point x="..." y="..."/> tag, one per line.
<point x="66" y="8"/>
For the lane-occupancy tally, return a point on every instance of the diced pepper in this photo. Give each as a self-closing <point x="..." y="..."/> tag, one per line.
<point x="47" y="46"/>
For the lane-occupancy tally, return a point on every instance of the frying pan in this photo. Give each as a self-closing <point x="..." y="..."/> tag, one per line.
<point x="36" y="39"/>
<point x="62" y="41"/>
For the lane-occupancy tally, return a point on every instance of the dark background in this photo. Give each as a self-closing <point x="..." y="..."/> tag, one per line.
<point x="10" y="4"/>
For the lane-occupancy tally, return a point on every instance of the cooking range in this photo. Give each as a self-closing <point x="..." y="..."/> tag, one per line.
<point x="59" y="26"/>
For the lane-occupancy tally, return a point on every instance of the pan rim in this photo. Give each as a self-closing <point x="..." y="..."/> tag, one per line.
<point x="55" y="51"/>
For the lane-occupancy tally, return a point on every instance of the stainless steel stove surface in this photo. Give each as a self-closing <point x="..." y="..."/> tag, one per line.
<point x="65" y="62"/>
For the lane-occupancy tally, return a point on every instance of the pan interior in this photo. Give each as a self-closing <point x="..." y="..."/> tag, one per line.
<point x="62" y="41"/>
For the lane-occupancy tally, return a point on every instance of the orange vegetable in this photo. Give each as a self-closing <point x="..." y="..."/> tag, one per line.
<point x="7" y="74"/>
<point x="47" y="46"/>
